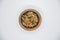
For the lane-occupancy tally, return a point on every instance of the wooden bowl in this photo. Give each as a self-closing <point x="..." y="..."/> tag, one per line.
<point x="30" y="19"/>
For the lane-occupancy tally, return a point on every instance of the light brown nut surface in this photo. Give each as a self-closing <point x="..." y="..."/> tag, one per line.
<point x="30" y="19"/>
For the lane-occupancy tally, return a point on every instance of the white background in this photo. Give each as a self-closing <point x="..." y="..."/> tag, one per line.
<point x="9" y="26"/>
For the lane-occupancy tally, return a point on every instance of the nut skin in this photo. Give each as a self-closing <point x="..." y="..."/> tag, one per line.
<point x="30" y="19"/>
